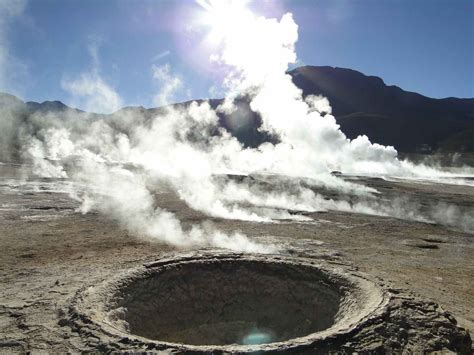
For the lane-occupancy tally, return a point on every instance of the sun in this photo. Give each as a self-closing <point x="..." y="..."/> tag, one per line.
<point x="224" y="17"/>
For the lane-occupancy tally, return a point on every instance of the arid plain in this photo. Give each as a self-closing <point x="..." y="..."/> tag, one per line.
<point x="50" y="251"/>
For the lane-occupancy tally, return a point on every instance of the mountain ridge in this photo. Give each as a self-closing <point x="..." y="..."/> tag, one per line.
<point x="362" y="104"/>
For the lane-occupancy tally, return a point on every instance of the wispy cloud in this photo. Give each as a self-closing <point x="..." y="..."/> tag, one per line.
<point x="169" y="84"/>
<point x="161" y="55"/>
<point x="89" y="91"/>
<point x="10" y="67"/>
<point x="93" y="47"/>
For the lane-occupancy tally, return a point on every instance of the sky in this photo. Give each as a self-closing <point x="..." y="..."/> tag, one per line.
<point x="101" y="55"/>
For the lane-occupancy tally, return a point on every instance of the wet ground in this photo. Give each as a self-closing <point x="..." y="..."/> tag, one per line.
<point x="50" y="251"/>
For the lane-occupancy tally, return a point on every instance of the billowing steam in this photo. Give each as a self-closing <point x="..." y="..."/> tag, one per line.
<point x="123" y="160"/>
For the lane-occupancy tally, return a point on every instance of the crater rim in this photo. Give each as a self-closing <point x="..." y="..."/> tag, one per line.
<point x="363" y="299"/>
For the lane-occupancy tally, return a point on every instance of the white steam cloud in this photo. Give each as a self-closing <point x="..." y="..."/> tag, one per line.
<point x="124" y="160"/>
<point x="89" y="90"/>
<point x="92" y="93"/>
<point x="169" y="84"/>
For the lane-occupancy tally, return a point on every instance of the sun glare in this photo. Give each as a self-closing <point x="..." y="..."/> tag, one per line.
<point x="224" y="17"/>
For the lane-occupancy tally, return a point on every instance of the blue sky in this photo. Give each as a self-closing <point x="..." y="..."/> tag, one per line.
<point x="425" y="46"/>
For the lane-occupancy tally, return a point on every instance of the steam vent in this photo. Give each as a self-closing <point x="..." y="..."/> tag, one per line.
<point x="233" y="303"/>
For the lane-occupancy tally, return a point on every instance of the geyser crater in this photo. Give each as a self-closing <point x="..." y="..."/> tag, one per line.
<point x="228" y="301"/>
<point x="231" y="302"/>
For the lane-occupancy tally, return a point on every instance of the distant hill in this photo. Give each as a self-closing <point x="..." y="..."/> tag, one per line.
<point x="389" y="115"/>
<point x="362" y="104"/>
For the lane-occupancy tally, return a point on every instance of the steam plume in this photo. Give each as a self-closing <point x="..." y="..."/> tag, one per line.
<point x="123" y="160"/>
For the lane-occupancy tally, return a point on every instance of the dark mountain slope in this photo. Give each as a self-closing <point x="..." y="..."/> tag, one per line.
<point x="361" y="104"/>
<point x="387" y="114"/>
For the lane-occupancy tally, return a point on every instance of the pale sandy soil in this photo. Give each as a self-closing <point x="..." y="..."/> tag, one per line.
<point x="48" y="251"/>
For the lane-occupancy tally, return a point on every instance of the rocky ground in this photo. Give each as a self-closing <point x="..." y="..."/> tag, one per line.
<point x="50" y="251"/>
